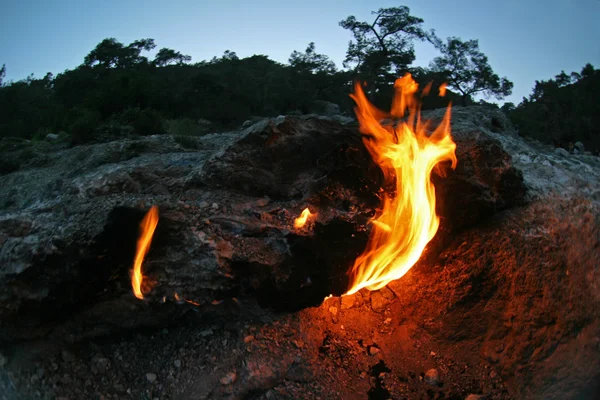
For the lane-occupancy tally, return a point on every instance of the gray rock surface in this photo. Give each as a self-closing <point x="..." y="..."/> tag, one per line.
<point x="68" y="229"/>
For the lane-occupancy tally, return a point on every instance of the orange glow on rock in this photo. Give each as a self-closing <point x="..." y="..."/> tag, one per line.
<point x="406" y="154"/>
<point x="147" y="228"/>
<point x="303" y="218"/>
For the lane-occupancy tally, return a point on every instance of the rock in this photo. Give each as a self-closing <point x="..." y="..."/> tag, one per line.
<point x="432" y="377"/>
<point x="579" y="147"/>
<point x="177" y="363"/>
<point x="263" y="202"/>
<point x="67" y="356"/>
<point x="83" y="230"/>
<point x="348" y="301"/>
<point x="333" y="311"/>
<point x="247" y="124"/>
<point x="151" y="377"/>
<point x="476" y="397"/>
<point x="52" y="137"/>
<point x="379" y="302"/>
<point x="325" y="108"/>
<point x="373" y="350"/>
<point x="559" y="151"/>
<point x="228" y="379"/>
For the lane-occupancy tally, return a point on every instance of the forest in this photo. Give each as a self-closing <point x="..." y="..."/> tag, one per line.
<point x="119" y="91"/>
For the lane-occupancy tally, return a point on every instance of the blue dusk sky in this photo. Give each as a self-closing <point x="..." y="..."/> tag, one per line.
<point x="525" y="40"/>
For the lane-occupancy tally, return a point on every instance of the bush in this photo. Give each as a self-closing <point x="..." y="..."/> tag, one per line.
<point x="144" y="121"/>
<point x="183" y="127"/>
<point x="187" y="142"/>
<point x="83" y="129"/>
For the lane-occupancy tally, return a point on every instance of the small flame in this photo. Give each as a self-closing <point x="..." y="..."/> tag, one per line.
<point x="443" y="90"/>
<point x="147" y="227"/>
<point x="303" y="218"/>
<point x="406" y="155"/>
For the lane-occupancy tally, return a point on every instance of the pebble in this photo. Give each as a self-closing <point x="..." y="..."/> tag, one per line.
<point x="228" y="379"/>
<point x="203" y="204"/>
<point x="493" y="374"/>
<point x="177" y="363"/>
<point x="333" y="310"/>
<point x="151" y="376"/>
<point x="475" y="397"/>
<point x="432" y="377"/>
<point x="373" y="350"/>
<point x="215" y="206"/>
<point x="248" y="339"/>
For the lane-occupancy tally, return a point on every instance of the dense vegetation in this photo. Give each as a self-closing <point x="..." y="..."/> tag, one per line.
<point x="562" y="111"/>
<point x="118" y="91"/>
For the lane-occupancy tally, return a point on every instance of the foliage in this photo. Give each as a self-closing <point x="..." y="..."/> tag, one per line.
<point x="167" y="56"/>
<point x="118" y="92"/>
<point x="112" y="54"/>
<point x="467" y="70"/>
<point x="382" y="50"/>
<point x="562" y="110"/>
<point x="183" y="127"/>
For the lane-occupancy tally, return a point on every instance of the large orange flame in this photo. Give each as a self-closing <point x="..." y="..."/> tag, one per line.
<point x="147" y="227"/>
<point x="406" y="154"/>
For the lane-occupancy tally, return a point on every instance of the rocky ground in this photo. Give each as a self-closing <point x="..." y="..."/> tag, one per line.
<point x="503" y="307"/>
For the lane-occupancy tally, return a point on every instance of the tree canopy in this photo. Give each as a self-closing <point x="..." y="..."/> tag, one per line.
<point x="117" y="91"/>
<point x="382" y="50"/>
<point x="467" y="70"/>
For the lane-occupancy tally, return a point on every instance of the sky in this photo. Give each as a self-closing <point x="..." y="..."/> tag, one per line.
<point x="525" y="40"/>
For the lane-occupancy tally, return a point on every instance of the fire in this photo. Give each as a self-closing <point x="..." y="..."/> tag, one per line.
<point x="147" y="227"/>
<point x="303" y="218"/>
<point x="406" y="155"/>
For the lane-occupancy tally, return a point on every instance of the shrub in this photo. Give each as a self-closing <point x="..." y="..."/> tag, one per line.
<point x="144" y="121"/>
<point x="83" y="129"/>
<point x="183" y="127"/>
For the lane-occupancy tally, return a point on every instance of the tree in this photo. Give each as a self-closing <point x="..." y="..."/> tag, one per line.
<point x="311" y="62"/>
<point x="2" y="73"/>
<point x="110" y="53"/>
<point x="167" y="56"/>
<point x="382" y="50"/>
<point x="467" y="70"/>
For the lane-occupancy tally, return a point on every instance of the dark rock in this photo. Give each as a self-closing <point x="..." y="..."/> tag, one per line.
<point x="66" y="254"/>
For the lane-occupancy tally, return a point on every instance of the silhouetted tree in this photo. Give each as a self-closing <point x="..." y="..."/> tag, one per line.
<point x="382" y="50"/>
<point x="167" y="56"/>
<point x="311" y="62"/>
<point x="2" y="74"/>
<point x="467" y="70"/>
<point x="110" y="53"/>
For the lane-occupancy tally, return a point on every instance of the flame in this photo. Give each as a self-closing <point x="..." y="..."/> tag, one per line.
<point x="407" y="220"/>
<point x="303" y="218"/>
<point x="147" y="227"/>
<point x="443" y="90"/>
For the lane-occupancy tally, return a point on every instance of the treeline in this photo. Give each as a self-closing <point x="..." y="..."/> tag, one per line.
<point x="562" y="111"/>
<point x="119" y="91"/>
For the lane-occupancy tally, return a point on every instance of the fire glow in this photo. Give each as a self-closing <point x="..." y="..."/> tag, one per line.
<point x="407" y="155"/>
<point x="303" y="218"/>
<point x="147" y="228"/>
